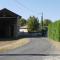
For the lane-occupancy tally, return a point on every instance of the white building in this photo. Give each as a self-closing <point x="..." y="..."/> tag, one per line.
<point x="23" y="29"/>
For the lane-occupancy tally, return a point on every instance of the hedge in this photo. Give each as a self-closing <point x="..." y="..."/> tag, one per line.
<point x="54" y="31"/>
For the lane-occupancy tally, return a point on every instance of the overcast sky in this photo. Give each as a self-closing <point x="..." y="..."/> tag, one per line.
<point x="26" y="8"/>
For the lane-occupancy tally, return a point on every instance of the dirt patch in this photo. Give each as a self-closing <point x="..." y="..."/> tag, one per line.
<point x="7" y="45"/>
<point x="56" y="44"/>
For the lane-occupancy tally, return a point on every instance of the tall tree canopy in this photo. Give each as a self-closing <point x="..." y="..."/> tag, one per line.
<point x="22" y="22"/>
<point x="33" y="24"/>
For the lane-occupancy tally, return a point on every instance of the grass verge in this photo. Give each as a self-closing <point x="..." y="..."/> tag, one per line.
<point x="14" y="44"/>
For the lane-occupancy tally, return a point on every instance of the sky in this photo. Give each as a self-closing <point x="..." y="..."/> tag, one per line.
<point x="26" y="8"/>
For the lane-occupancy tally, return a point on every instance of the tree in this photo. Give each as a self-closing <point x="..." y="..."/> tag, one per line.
<point x="22" y="22"/>
<point x="33" y="24"/>
<point x="44" y="27"/>
<point x="46" y="22"/>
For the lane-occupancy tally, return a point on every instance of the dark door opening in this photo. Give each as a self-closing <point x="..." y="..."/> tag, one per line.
<point x="12" y="31"/>
<point x="2" y="31"/>
<point x="6" y="29"/>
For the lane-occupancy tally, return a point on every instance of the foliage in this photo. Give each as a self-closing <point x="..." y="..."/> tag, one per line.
<point x="22" y="22"/>
<point x="33" y="24"/>
<point x="46" y="22"/>
<point x="54" y="31"/>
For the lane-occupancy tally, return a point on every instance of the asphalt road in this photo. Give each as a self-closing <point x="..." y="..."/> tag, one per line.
<point x="36" y="46"/>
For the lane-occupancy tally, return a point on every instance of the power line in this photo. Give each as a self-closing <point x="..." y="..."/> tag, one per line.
<point x="20" y="4"/>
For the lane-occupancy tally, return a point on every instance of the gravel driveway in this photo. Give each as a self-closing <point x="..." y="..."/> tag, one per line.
<point x="37" y="46"/>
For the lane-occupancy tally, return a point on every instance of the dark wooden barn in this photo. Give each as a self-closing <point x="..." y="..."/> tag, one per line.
<point x="8" y="23"/>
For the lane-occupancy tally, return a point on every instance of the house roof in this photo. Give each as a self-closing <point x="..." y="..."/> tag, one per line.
<point x="24" y="27"/>
<point x="7" y="10"/>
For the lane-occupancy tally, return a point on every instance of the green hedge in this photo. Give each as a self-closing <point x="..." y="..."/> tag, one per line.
<point x="54" y="31"/>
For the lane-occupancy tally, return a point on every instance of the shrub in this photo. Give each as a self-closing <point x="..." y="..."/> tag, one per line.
<point x="54" y="31"/>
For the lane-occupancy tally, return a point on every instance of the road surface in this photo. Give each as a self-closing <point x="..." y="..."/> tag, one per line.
<point x="36" y="46"/>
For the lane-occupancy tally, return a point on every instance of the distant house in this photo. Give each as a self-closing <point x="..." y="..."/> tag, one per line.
<point x="8" y="23"/>
<point x="23" y="29"/>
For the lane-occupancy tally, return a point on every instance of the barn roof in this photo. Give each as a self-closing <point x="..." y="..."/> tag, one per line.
<point x="7" y="10"/>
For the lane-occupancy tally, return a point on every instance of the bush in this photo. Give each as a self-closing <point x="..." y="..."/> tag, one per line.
<point x="54" y="31"/>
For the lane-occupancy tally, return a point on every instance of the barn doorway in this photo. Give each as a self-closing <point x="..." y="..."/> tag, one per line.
<point x="6" y="28"/>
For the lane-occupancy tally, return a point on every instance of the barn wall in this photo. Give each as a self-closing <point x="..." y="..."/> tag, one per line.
<point x="8" y="27"/>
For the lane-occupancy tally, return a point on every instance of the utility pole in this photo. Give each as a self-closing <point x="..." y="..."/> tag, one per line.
<point x="42" y="31"/>
<point x="42" y="21"/>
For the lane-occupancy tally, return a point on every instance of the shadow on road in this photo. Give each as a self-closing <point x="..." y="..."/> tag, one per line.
<point x="31" y="35"/>
<point x="24" y="35"/>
